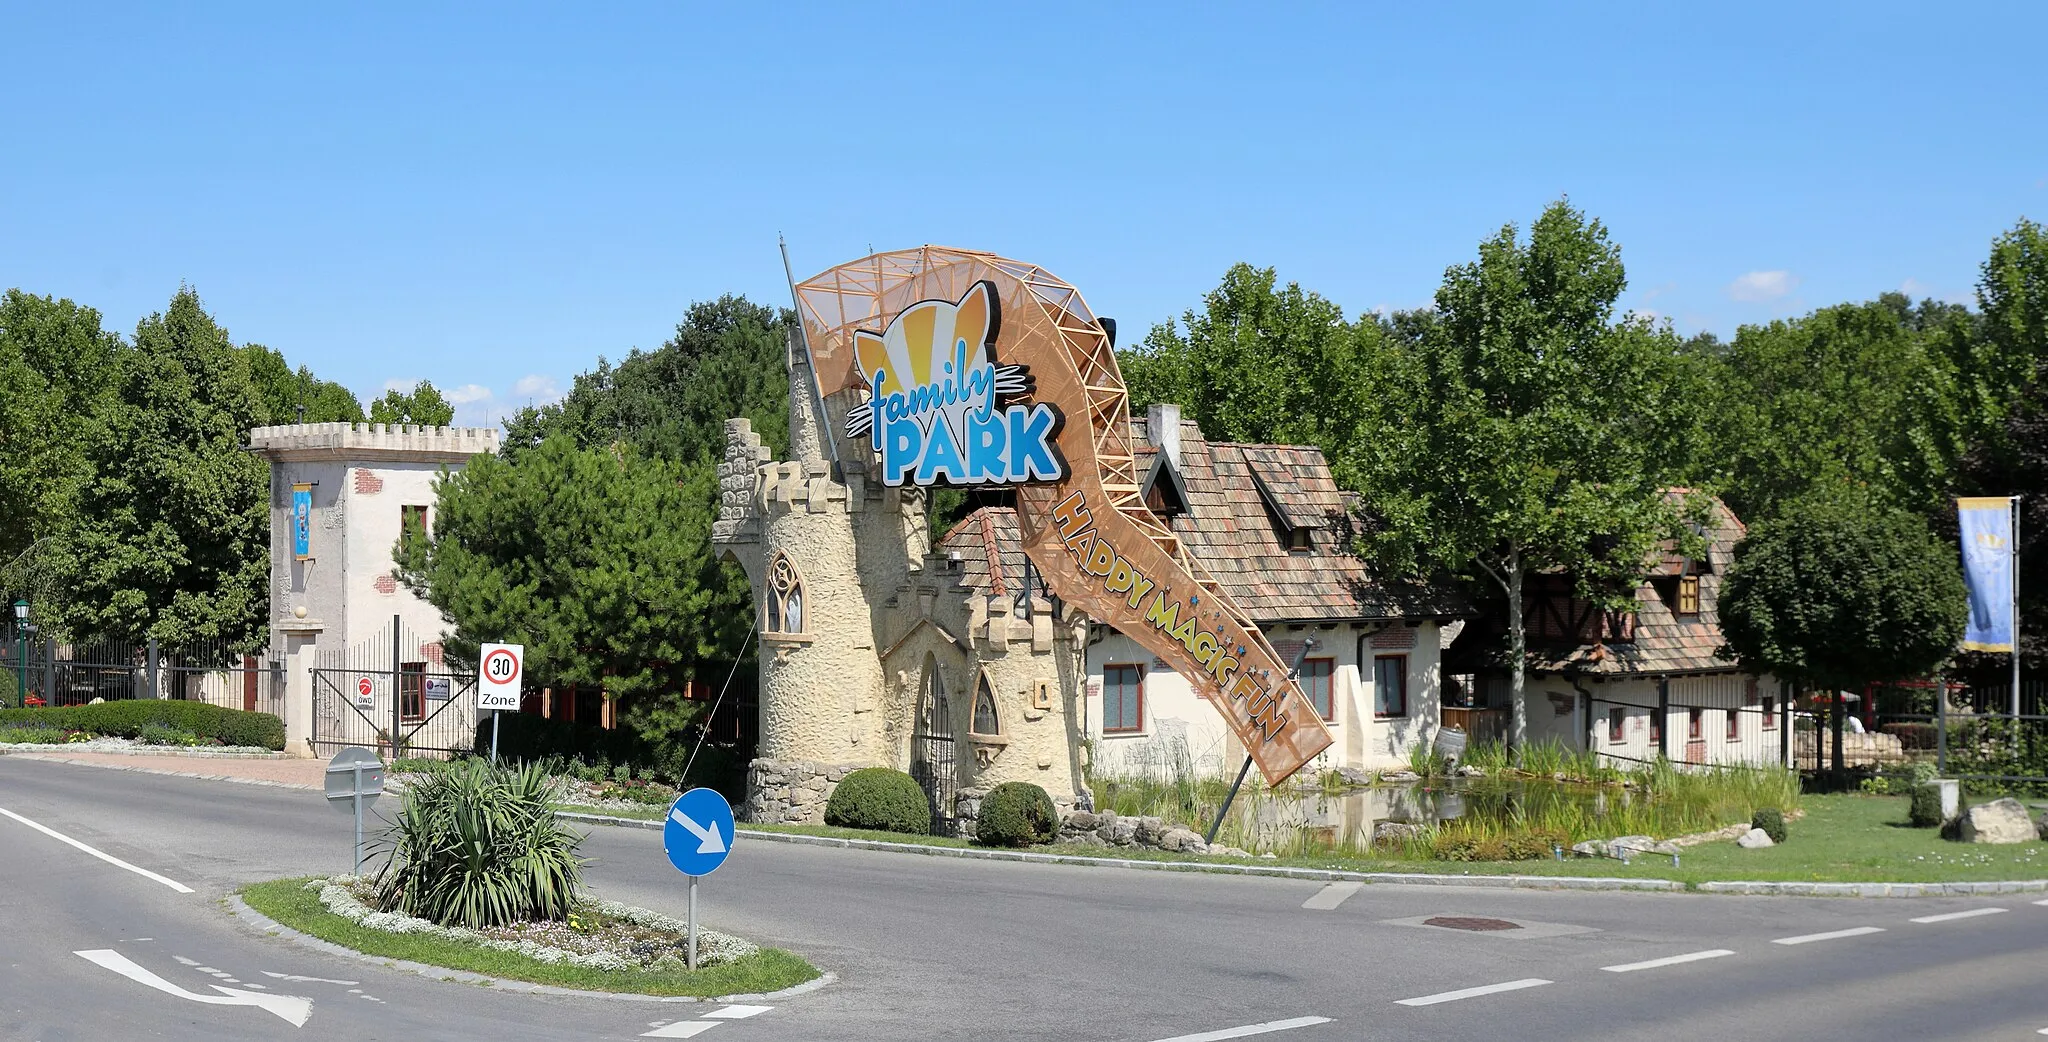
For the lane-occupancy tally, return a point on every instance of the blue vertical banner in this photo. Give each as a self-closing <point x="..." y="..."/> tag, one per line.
<point x="302" y="521"/>
<point x="1988" y="572"/>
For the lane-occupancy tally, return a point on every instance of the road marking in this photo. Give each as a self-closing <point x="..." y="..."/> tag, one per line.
<point x="311" y="980"/>
<point x="736" y="1012"/>
<point x="1971" y="914"/>
<point x="1631" y="967"/>
<point x="96" y="852"/>
<point x="682" y="1029"/>
<point x="1473" y="993"/>
<point x="1249" y="1029"/>
<point x="1331" y="896"/>
<point x="288" y="1007"/>
<point x="1832" y="935"/>
<point x="2042" y="903"/>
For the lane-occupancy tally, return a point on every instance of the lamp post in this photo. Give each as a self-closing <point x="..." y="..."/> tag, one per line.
<point x="21" y="653"/>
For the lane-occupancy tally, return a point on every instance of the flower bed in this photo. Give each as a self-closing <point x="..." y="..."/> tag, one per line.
<point x="601" y="935"/>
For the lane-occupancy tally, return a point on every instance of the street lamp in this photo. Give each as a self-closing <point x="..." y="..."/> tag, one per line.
<point x="21" y="653"/>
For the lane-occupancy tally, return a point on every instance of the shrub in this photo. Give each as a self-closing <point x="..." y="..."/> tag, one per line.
<point x="1925" y="812"/>
<point x="127" y="719"/>
<point x="478" y="845"/>
<point x="1953" y="827"/>
<point x="1772" y="821"/>
<point x="1016" y="814"/>
<point x="527" y="736"/>
<point x="1912" y="736"/>
<point x="155" y="735"/>
<point x="879" y="798"/>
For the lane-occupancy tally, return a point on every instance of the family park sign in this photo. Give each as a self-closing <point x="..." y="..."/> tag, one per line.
<point x="981" y="371"/>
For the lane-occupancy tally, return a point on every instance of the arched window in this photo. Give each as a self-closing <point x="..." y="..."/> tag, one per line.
<point x="986" y="722"/>
<point x="934" y="713"/>
<point x="783" y="599"/>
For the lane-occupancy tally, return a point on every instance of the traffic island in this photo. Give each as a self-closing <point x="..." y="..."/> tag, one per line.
<point x="598" y="947"/>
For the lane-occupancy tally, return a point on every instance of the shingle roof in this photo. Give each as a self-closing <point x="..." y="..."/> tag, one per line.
<point x="1230" y="529"/>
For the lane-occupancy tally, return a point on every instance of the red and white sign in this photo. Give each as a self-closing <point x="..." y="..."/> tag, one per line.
<point x="364" y="687"/>
<point x="498" y="676"/>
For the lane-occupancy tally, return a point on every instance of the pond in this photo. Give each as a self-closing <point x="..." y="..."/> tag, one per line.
<point x="1314" y="821"/>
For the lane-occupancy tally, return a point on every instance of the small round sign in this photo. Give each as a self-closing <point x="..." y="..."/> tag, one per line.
<point x="363" y="687"/>
<point x="698" y="834"/>
<point x="501" y="666"/>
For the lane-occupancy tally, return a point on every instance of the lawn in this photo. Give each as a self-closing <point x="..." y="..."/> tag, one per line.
<point x="1841" y="839"/>
<point x="289" y="902"/>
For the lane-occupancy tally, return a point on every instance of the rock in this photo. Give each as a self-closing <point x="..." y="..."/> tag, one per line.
<point x="1755" y="839"/>
<point x="1119" y="832"/>
<point x="1467" y="770"/>
<point x="1180" y="840"/>
<point x="1223" y="851"/>
<point x="1269" y="856"/>
<point x="1641" y="845"/>
<point x="1080" y="821"/>
<point x="2000" y="821"/>
<point x="2041" y="827"/>
<point x="1149" y="832"/>
<point x="1400" y="776"/>
<point x="1355" y="775"/>
<point x="1591" y="848"/>
<point x="1394" y="833"/>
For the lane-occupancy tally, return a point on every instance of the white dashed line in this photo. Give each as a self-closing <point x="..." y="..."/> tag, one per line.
<point x="736" y="1012"/>
<point x="1473" y="993"/>
<point x="1971" y="914"/>
<point x="98" y="853"/>
<point x="1832" y="935"/>
<point x="1674" y="960"/>
<point x="1249" y="1029"/>
<point x="681" y="1029"/>
<point x="2042" y="903"/>
<point x="1331" y="896"/>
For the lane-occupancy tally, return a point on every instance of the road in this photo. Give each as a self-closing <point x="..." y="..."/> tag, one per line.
<point x="940" y="948"/>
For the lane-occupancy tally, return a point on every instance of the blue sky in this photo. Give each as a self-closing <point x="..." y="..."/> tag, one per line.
<point x="491" y="198"/>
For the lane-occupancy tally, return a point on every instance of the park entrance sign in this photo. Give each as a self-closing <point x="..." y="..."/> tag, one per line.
<point x="976" y="370"/>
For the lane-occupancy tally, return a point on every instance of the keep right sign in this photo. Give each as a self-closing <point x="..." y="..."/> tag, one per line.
<point x="498" y="676"/>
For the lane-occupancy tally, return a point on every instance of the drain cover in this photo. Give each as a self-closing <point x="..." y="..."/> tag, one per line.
<point x="1467" y="922"/>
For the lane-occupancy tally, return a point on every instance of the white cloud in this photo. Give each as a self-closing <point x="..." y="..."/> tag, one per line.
<point x="401" y="386"/>
<point x="1763" y="285"/>
<point x="542" y="389"/>
<point x="467" y="394"/>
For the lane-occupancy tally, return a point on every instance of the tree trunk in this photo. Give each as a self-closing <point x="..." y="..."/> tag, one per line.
<point x="1518" y="710"/>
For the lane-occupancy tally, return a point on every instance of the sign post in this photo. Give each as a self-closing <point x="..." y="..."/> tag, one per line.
<point x="698" y="837"/>
<point x="499" y="667"/>
<point x="355" y="778"/>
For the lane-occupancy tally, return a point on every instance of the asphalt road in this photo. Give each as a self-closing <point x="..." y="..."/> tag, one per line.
<point x="937" y="948"/>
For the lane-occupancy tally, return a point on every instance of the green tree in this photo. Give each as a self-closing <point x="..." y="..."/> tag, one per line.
<point x="422" y="405"/>
<point x="56" y="376"/>
<point x="1524" y="429"/>
<point x="283" y="392"/>
<point x="170" y="536"/>
<point x="1838" y="591"/>
<point x="598" y="560"/>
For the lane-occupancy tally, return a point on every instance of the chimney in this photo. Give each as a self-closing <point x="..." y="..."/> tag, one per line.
<point x="1162" y="425"/>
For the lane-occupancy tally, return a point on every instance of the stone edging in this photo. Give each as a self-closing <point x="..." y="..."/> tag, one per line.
<point x="1751" y="888"/>
<point x="244" y="752"/>
<point x="49" y="758"/>
<point x="240" y="909"/>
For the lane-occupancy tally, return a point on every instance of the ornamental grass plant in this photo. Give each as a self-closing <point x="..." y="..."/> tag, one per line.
<point x="477" y="845"/>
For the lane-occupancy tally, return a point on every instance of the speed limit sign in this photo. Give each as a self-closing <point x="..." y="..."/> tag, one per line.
<point x="497" y="680"/>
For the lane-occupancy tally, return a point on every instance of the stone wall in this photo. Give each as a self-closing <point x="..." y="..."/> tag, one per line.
<point x="790" y="792"/>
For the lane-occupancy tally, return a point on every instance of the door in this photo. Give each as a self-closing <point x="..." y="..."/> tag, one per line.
<point x="932" y="761"/>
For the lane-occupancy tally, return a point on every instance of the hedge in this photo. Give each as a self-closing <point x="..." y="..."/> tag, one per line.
<point x="879" y="798"/>
<point x="128" y="718"/>
<point x="527" y="736"/>
<point x="1016" y="814"/>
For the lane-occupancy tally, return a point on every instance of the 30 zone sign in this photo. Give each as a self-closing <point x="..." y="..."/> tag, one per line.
<point x="497" y="681"/>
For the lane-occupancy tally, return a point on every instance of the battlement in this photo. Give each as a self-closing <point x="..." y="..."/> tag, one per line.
<point x="389" y="442"/>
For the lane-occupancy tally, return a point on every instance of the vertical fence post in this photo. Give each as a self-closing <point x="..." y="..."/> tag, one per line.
<point x="396" y="698"/>
<point x="1784" y="726"/>
<point x="149" y="668"/>
<point x="49" y="671"/>
<point x="1664" y="717"/>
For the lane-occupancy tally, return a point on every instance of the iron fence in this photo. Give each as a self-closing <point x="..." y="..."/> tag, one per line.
<point x="37" y="669"/>
<point x="1969" y="731"/>
<point x="395" y="683"/>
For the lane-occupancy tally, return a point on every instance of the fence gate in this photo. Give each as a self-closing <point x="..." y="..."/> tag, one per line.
<point x="393" y="683"/>
<point x="932" y="752"/>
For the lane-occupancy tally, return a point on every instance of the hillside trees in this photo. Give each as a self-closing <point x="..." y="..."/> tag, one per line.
<point x="56" y="377"/>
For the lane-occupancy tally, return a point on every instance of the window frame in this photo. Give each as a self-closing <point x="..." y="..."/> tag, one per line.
<point x="1379" y="697"/>
<point x="1328" y="664"/>
<point x="1137" y="693"/>
<point x="984" y="692"/>
<point x="1617" y="725"/>
<point x="1685" y="602"/>
<point x="423" y="511"/>
<point x="412" y="691"/>
<point x="1770" y="712"/>
<point x="1656" y="730"/>
<point x="1733" y="726"/>
<point x="777" y="596"/>
<point x="1695" y="722"/>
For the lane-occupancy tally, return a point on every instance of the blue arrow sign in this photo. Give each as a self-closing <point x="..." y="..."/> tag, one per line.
<point x="698" y="833"/>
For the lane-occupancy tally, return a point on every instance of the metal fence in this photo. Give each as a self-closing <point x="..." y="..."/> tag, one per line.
<point x="394" y="683"/>
<point x="1967" y="731"/>
<point x="40" y="670"/>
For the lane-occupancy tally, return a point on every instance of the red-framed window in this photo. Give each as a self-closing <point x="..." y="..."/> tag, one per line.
<point x="412" y="691"/>
<point x="1318" y="682"/>
<point x="1734" y="724"/>
<point x="1617" y="720"/>
<point x="1771" y="713"/>
<point x="1123" y="699"/>
<point x="1693" y="720"/>
<point x="1656" y="729"/>
<point x="1390" y="686"/>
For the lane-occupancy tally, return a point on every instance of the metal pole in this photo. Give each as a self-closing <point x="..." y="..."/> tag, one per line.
<point x="1664" y="718"/>
<point x="2016" y="618"/>
<point x="20" y="666"/>
<point x="359" y="815"/>
<point x="691" y="961"/>
<point x="395" y="700"/>
<point x="1225" y="809"/>
<point x="49" y="671"/>
<point x="494" y="736"/>
<point x="150" y="670"/>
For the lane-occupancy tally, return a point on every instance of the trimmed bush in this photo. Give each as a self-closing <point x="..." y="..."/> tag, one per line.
<point x="478" y="845"/>
<point x="1925" y="813"/>
<point x="130" y="718"/>
<point x="1772" y="821"/>
<point x="879" y="798"/>
<point x="1016" y="814"/>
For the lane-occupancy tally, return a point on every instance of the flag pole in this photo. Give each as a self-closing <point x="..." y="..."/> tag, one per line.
<point x="2016" y="614"/>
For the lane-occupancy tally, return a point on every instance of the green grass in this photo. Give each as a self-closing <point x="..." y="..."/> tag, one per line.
<point x="289" y="902"/>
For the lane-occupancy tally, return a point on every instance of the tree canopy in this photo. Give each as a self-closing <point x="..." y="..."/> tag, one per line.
<point x="283" y="392"/>
<point x="422" y="405"/>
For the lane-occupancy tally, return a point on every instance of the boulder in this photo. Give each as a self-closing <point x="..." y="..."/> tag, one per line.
<point x="1149" y="832"/>
<point x="1754" y="839"/>
<point x="1400" y="776"/>
<point x="1466" y="770"/>
<point x="1182" y="841"/>
<point x="1355" y="775"/>
<point x="1080" y="821"/>
<point x="1642" y="845"/>
<point x="2000" y="821"/>
<point x="1591" y="848"/>
<point x="1118" y="832"/>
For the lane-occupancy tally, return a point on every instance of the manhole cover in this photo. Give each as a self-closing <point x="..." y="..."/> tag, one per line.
<point x="1467" y="922"/>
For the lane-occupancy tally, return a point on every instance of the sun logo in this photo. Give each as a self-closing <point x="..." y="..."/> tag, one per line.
<point x="934" y="391"/>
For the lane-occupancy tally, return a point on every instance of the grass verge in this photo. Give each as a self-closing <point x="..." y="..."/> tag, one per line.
<point x="289" y="902"/>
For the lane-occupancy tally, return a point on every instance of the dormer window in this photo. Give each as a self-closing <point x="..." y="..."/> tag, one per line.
<point x="1164" y="490"/>
<point x="1688" y="601"/>
<point x="1301" y="540"/>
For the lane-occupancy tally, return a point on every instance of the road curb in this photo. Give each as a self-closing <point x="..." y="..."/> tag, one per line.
<point x="177" y="751"/>
<point x="240" y="909"/>
<point x="1756" y="888"/>
<point x="47" y="758"/>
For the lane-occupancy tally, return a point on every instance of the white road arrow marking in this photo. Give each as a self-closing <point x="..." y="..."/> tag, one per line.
<point x="736" y="1012"/>
<point x="708" y="839"/>
<point x="289" y="1007"/>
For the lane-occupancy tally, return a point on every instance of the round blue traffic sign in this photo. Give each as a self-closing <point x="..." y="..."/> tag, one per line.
<point x="698" y="833"/>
